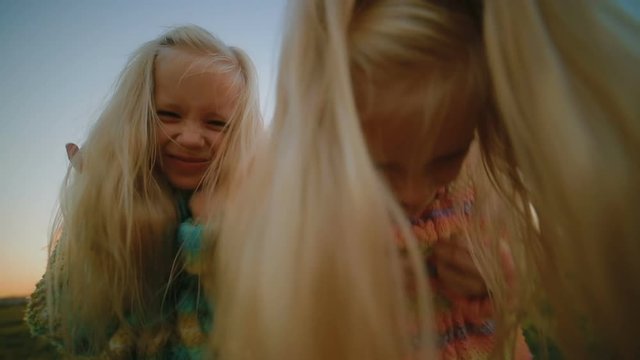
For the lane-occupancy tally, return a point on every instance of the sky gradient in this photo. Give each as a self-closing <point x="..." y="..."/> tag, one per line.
<point x="59" y="62"/>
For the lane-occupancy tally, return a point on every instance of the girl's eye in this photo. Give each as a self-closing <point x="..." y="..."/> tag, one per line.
<point x="217" y="124"/>
<point x="165" y="115"/>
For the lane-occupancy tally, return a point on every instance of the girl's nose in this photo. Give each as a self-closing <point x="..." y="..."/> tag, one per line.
<point x="191" y="136"/>
<point x="414" y="196"/>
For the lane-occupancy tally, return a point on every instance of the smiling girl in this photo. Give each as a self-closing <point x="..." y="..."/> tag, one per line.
<point x="122" y="278"/>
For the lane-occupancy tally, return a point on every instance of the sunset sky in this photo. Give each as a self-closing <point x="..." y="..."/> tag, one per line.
<point x="59" y="61"/>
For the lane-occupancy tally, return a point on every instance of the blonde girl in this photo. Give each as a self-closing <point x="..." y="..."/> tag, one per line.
<point x="566" y="77"/>
<point x="122" y="278"/>
<point x="377" y="108"/>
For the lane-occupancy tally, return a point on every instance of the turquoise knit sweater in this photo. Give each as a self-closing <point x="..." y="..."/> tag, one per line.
<point x="179" y="333"/>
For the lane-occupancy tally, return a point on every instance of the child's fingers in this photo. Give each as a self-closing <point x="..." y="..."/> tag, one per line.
<point x="198" y="205"/>
<point x="72" y="149"/>
<point x="74" y="155"/>
<point x="461" y="283"/>
<point x="455" y="256"/>
<point x="456" y="269"/>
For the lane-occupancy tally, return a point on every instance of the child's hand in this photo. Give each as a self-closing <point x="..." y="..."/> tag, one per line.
<point x="74" y="155"/>
<point x="456" y="270"/>
<point x="197" y="205"/>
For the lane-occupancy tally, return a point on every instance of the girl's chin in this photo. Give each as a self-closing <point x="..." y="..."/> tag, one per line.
<point x="187" y="184"/>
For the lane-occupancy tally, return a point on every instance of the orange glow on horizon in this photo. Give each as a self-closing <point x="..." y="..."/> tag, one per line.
<point x="18" y="287"/>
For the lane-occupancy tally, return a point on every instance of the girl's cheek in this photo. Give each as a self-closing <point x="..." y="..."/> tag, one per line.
<point x="447" y="174"/>
<point x="215" y="139"/>
<point x="163" y="133"/>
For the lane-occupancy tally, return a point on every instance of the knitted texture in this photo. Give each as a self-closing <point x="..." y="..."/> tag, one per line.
<point x="179" y="333"/>
<point x="465" y="327"/>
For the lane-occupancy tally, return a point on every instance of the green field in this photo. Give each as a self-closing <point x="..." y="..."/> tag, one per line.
<point x="16" y="342"/>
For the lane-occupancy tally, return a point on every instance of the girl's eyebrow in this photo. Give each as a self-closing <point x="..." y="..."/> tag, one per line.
<point x="214" y="115"/>
<point x="164" y="110"/>
<point x="165" y="105"/>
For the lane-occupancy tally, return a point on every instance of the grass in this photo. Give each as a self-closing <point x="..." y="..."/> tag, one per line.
<point x="15" y="339"/>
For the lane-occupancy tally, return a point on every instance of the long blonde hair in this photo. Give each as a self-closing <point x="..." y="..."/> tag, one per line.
<point x="113" y="245"/>
<point x="306" y="265"/>
<point x="567" y="81"/>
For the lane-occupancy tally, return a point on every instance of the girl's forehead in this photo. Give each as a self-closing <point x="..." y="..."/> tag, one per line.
<point x="407" y="109"/>
<point x="176" y="66"/>
<point x="186" y="79"/>
<point x="434" y="90"/>
<point x="182" y="63"/>
<point x="410" y="140"/>
<point x="406" y="119"/>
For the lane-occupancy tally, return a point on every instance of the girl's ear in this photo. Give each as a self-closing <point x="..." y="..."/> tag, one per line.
<point x="74" y="155"/>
